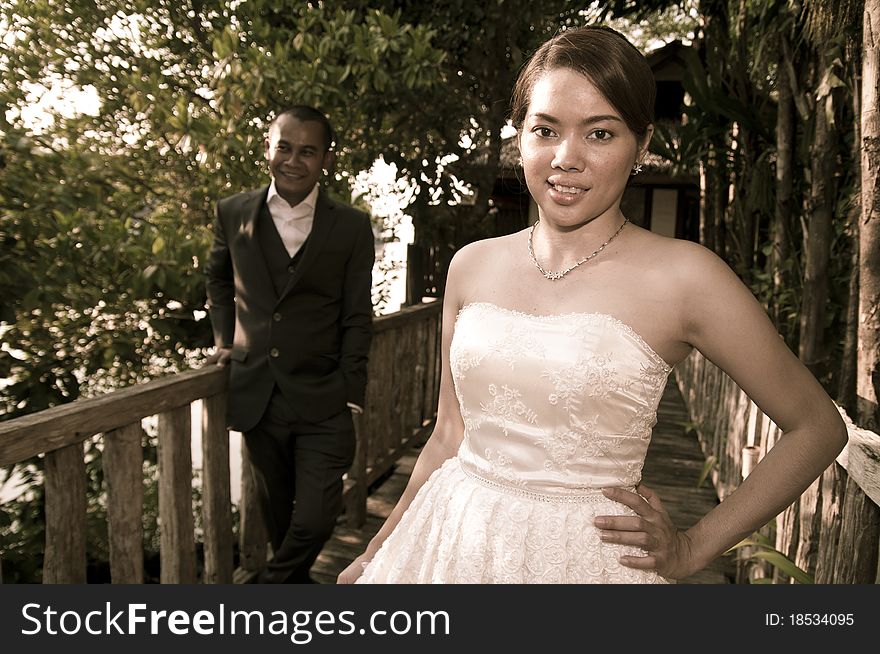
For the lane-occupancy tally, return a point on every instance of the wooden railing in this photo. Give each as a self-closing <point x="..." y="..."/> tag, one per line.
<point x="832" y="532"/>
<point x="401" y="403"/>
<point x="402" y="389"/>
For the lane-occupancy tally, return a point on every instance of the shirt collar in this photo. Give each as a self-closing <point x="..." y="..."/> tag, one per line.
<point x="308" y="203"/>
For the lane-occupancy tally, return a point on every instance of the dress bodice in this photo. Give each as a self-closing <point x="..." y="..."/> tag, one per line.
<point x="553" y="404"/>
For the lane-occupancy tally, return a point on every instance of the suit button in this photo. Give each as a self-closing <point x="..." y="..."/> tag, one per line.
<point x="276" y="317"/>
<point x="274" y="353"/>
<point x="290" y="269"/>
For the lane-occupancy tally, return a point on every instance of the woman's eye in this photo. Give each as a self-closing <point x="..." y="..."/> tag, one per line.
<point x="544" y="132"/>
<point x="601" y="134"/>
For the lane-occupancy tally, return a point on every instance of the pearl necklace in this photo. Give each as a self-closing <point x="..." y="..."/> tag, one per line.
<point x="553" y="276"/>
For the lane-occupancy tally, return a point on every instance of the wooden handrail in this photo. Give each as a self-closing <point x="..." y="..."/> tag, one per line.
<point x="832" y="531"/>
<point x="68" y="424"/>
<point x="406" y="315"/>
<point x="401" y="402"/>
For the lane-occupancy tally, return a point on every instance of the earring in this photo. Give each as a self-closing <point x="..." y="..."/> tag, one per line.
<point x="637" y="168"/>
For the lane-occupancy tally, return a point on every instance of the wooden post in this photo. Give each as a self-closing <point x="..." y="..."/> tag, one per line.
<point x="432" y="364"/>
<point x="253" y="536"/>
<point x="356" y="483"/>
<point x="860" y="531"/>
<point x="751" y="454"/>
<point x="177" y="540"/>
<point x="123" y="469"/>
<point x="216" y="494"/>
<point x="65" y="486"/>
<point x="810" y="517"/>
<point x="382" y="438"/>
<point x="833" y="486"/>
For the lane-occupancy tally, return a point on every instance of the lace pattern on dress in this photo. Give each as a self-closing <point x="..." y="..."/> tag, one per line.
<point x="588" y="364"/>
<point x="580" y="442"/>
<point x="506" y="406"/>
<point x="459" y="529"/>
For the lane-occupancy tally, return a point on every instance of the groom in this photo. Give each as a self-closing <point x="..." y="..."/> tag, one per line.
<point x="288" y="284"/>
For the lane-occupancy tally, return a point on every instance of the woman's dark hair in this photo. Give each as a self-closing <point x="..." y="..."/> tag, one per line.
<point x="305" y="113"/>
<point x="607" y="59"/>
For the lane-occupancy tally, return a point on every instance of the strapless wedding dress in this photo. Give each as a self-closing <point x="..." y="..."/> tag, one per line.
<point x="555" y="408"/>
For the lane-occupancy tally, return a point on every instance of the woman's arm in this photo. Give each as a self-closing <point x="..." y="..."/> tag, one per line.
<point x="448" y="429"/>
<point x="721" y="318"/>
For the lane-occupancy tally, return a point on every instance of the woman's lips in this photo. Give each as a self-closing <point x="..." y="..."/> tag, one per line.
<point x="565" y="194"/>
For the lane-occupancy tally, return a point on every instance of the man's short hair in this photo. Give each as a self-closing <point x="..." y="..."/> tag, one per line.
<point x="303" y="113"/>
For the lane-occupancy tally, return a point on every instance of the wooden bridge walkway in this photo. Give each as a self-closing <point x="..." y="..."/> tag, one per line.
<point x="672" y="469"/>
<point x="403" y="365"/>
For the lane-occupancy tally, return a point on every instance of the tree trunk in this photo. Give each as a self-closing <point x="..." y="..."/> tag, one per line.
<point x="741" y="217"/>
<point x="846" y="382"/>
<point x="749" y="224"/>
<point x="745" y="219"/>
<point x="781" y="230"/>
<point x="868" y="384"/>
<point x="707" y="225"/>
<point x="719" y="185"/>
<point x="715" y="44"/>
<point x="817" y="239"/>
<point x="847" y="373"/>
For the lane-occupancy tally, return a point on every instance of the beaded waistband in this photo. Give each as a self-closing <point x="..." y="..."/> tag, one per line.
<point x="569" y="496"/>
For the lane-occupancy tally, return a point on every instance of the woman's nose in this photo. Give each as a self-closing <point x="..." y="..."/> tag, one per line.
<point x="568" y="156"/>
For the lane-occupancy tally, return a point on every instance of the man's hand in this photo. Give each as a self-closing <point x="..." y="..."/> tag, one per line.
<point x="220" y="357"/>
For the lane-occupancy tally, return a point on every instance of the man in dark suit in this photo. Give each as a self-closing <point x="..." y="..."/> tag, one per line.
<point x="288" y="283"/>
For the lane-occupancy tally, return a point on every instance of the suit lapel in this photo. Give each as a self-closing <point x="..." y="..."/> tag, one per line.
<point x="325" y="219"/>
<point x="251" y="205"/>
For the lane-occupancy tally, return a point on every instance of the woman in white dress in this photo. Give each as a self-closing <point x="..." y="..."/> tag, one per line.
<point x="557" y="343"/>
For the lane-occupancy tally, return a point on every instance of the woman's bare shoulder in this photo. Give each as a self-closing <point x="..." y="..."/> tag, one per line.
<point x="680" y="258"/>
<point x="485" y="252"/>
<point x="478" y="264"/>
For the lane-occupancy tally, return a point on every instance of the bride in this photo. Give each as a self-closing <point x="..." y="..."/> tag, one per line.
<point x="557" y="344"/>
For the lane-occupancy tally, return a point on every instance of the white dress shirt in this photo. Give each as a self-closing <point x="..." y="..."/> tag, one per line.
<point x="294" y="224"/>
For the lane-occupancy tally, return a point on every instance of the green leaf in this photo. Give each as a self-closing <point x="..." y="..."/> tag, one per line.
<point x="785" y="565"/>
<point x="709" y="464"/>
<point x="221" y="50"/>
<point x="158" y="245"/>
<point x="763" y="540"/>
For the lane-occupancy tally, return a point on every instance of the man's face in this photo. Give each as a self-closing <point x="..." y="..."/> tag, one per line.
<point x="297" y="153"/>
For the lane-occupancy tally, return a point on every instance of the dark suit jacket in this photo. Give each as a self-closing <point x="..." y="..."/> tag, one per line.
<point x="313" y="338"/>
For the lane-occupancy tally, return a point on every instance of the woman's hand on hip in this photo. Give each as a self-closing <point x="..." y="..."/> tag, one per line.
<point x="668" y="550"/>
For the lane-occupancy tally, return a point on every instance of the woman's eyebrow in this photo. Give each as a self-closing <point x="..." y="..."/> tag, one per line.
<point x="590" y="120"/>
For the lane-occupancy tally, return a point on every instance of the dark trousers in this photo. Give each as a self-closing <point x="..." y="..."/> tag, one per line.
<point x="298" y="468"/>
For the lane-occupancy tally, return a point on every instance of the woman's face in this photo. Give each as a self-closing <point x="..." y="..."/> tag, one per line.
<point x="577" y="152"/>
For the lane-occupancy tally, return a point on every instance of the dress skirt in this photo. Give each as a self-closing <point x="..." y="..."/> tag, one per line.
<point x="462" y="529"/>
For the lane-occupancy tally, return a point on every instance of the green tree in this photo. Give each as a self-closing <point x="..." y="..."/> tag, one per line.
<point x="105" y="215"/>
